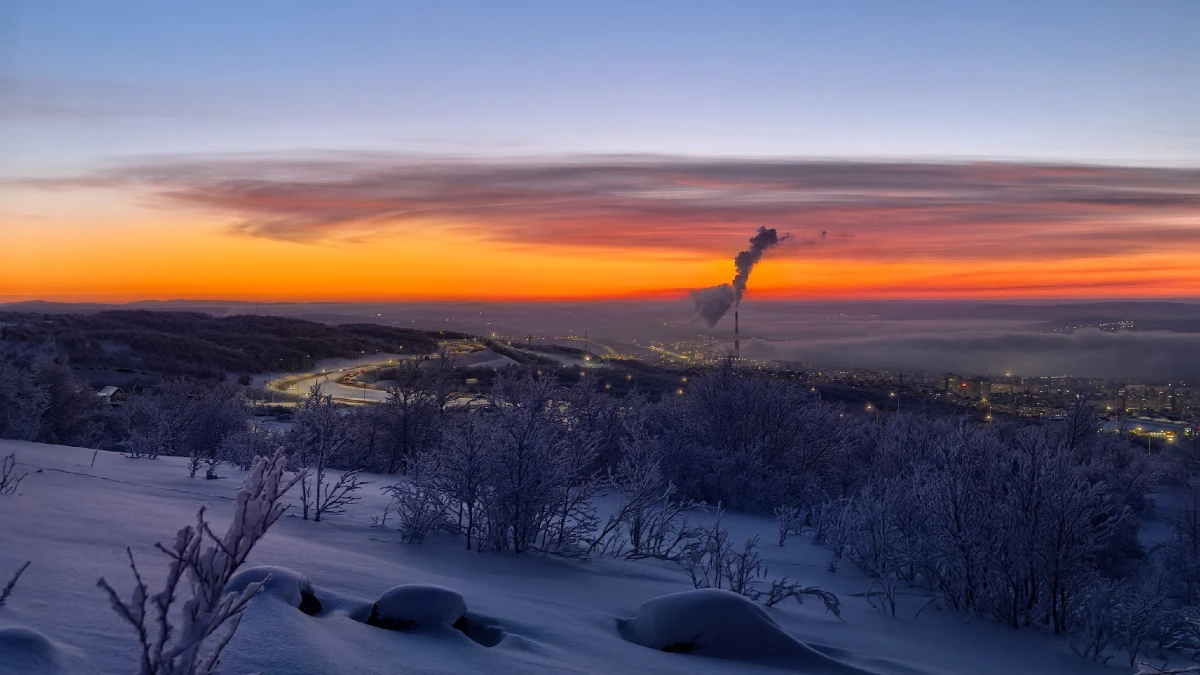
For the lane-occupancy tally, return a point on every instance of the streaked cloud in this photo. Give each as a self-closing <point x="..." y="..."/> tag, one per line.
<point x="917" y="210"/>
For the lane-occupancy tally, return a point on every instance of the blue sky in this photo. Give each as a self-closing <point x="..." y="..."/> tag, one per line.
<point x="1089" y="80"/>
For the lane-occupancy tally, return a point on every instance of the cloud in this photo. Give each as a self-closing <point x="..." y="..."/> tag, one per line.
<point x="863" y="210"/>
<point x="1145" y="356"/>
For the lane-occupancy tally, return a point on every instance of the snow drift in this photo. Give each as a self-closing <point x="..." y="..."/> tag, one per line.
<point x="26" y="652"/>
<point x="288" y="585"/>
<point x="724" y="625"/>
<point x="418" y="606"/>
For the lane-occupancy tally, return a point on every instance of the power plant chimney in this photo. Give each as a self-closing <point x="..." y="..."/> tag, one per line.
<point x="737" y="340"/>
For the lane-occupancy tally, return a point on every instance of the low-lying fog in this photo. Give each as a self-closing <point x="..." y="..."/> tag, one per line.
<point x="1159" y="340"/>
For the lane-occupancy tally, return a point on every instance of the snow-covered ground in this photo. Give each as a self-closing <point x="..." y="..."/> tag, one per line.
<point x="527" y="613"/>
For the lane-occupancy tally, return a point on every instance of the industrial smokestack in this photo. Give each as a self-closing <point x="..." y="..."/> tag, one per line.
<point x="737" y="339"/>
<point x="712" y="303"/>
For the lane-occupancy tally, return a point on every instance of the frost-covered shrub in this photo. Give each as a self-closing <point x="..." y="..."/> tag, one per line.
<point x="790" y="519"/>
<point x="463" y="474"/>
<point x="190" y="621"/>
<point x="650" y="522"/>
<point x="419" y="508"/>
<point x="529" y="462"/>
<point x="10" y="476"/>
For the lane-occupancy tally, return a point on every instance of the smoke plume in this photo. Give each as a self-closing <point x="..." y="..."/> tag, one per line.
<point x="745" y="261"/>
<point x="712" y="303"/>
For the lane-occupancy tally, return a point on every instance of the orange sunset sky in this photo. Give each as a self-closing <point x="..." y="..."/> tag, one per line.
<point x="395" y="228"/>
<point x="442" y="153"/>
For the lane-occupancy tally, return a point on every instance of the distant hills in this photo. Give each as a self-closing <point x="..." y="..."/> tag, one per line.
<point x="157" y="343"/>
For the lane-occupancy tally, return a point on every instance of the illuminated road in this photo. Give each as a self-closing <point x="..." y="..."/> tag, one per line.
<point x="300" y="383"/>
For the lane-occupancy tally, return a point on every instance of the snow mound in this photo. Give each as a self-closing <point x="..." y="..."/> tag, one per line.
<point x="418" y="605"/>
<point x="26" y="652"/>
<point x="288" y="585"/>
<point x="721" y="624"/>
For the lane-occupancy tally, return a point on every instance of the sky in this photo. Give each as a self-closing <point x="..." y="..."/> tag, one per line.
<point x="546" y="150"/>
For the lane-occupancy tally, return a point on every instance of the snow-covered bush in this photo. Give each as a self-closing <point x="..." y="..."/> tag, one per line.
<point x="10" y="477"/>
<point x="190" y="621"/>
<point x="418" y="606"/>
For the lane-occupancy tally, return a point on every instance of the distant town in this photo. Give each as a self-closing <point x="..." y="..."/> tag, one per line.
<point x="1160" y="411"/>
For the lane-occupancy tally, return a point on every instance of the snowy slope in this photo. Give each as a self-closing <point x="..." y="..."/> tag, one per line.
<point x="539" y="615"/>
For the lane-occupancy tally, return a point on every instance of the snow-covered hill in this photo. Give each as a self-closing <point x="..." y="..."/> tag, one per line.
<point x="526" y="613"/>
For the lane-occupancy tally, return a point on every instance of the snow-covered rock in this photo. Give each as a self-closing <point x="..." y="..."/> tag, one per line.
<point x="418" y="605"/>
<point x="721" y="624"/>
<point x="288" y="585"/>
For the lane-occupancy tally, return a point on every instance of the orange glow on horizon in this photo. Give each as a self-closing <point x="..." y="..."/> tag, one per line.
<point x="159" y="259"/>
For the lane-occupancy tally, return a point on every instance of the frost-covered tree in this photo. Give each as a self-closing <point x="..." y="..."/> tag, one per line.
<point x="650" y="520"/>
<point x="22" y="402"/>
<point x="412" y="412"/>
<point x="604" y="418"/>
<point x="419" y="505"/>
<point x="529" y="462"/>
<point x="573" y="519"/>
<point x="1095" y="619"/>
<point x="320" y="438"/>
<point x="72" y="407"/>
<point x="749" y="441"/>
<point x="183" y="628"/>
<point x="240" y="447"/>
<point x="184" y="418"/>
<point x="463" y="472"/>
<point x="1078" y="518"/>
<point x="1182" y="551"/>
